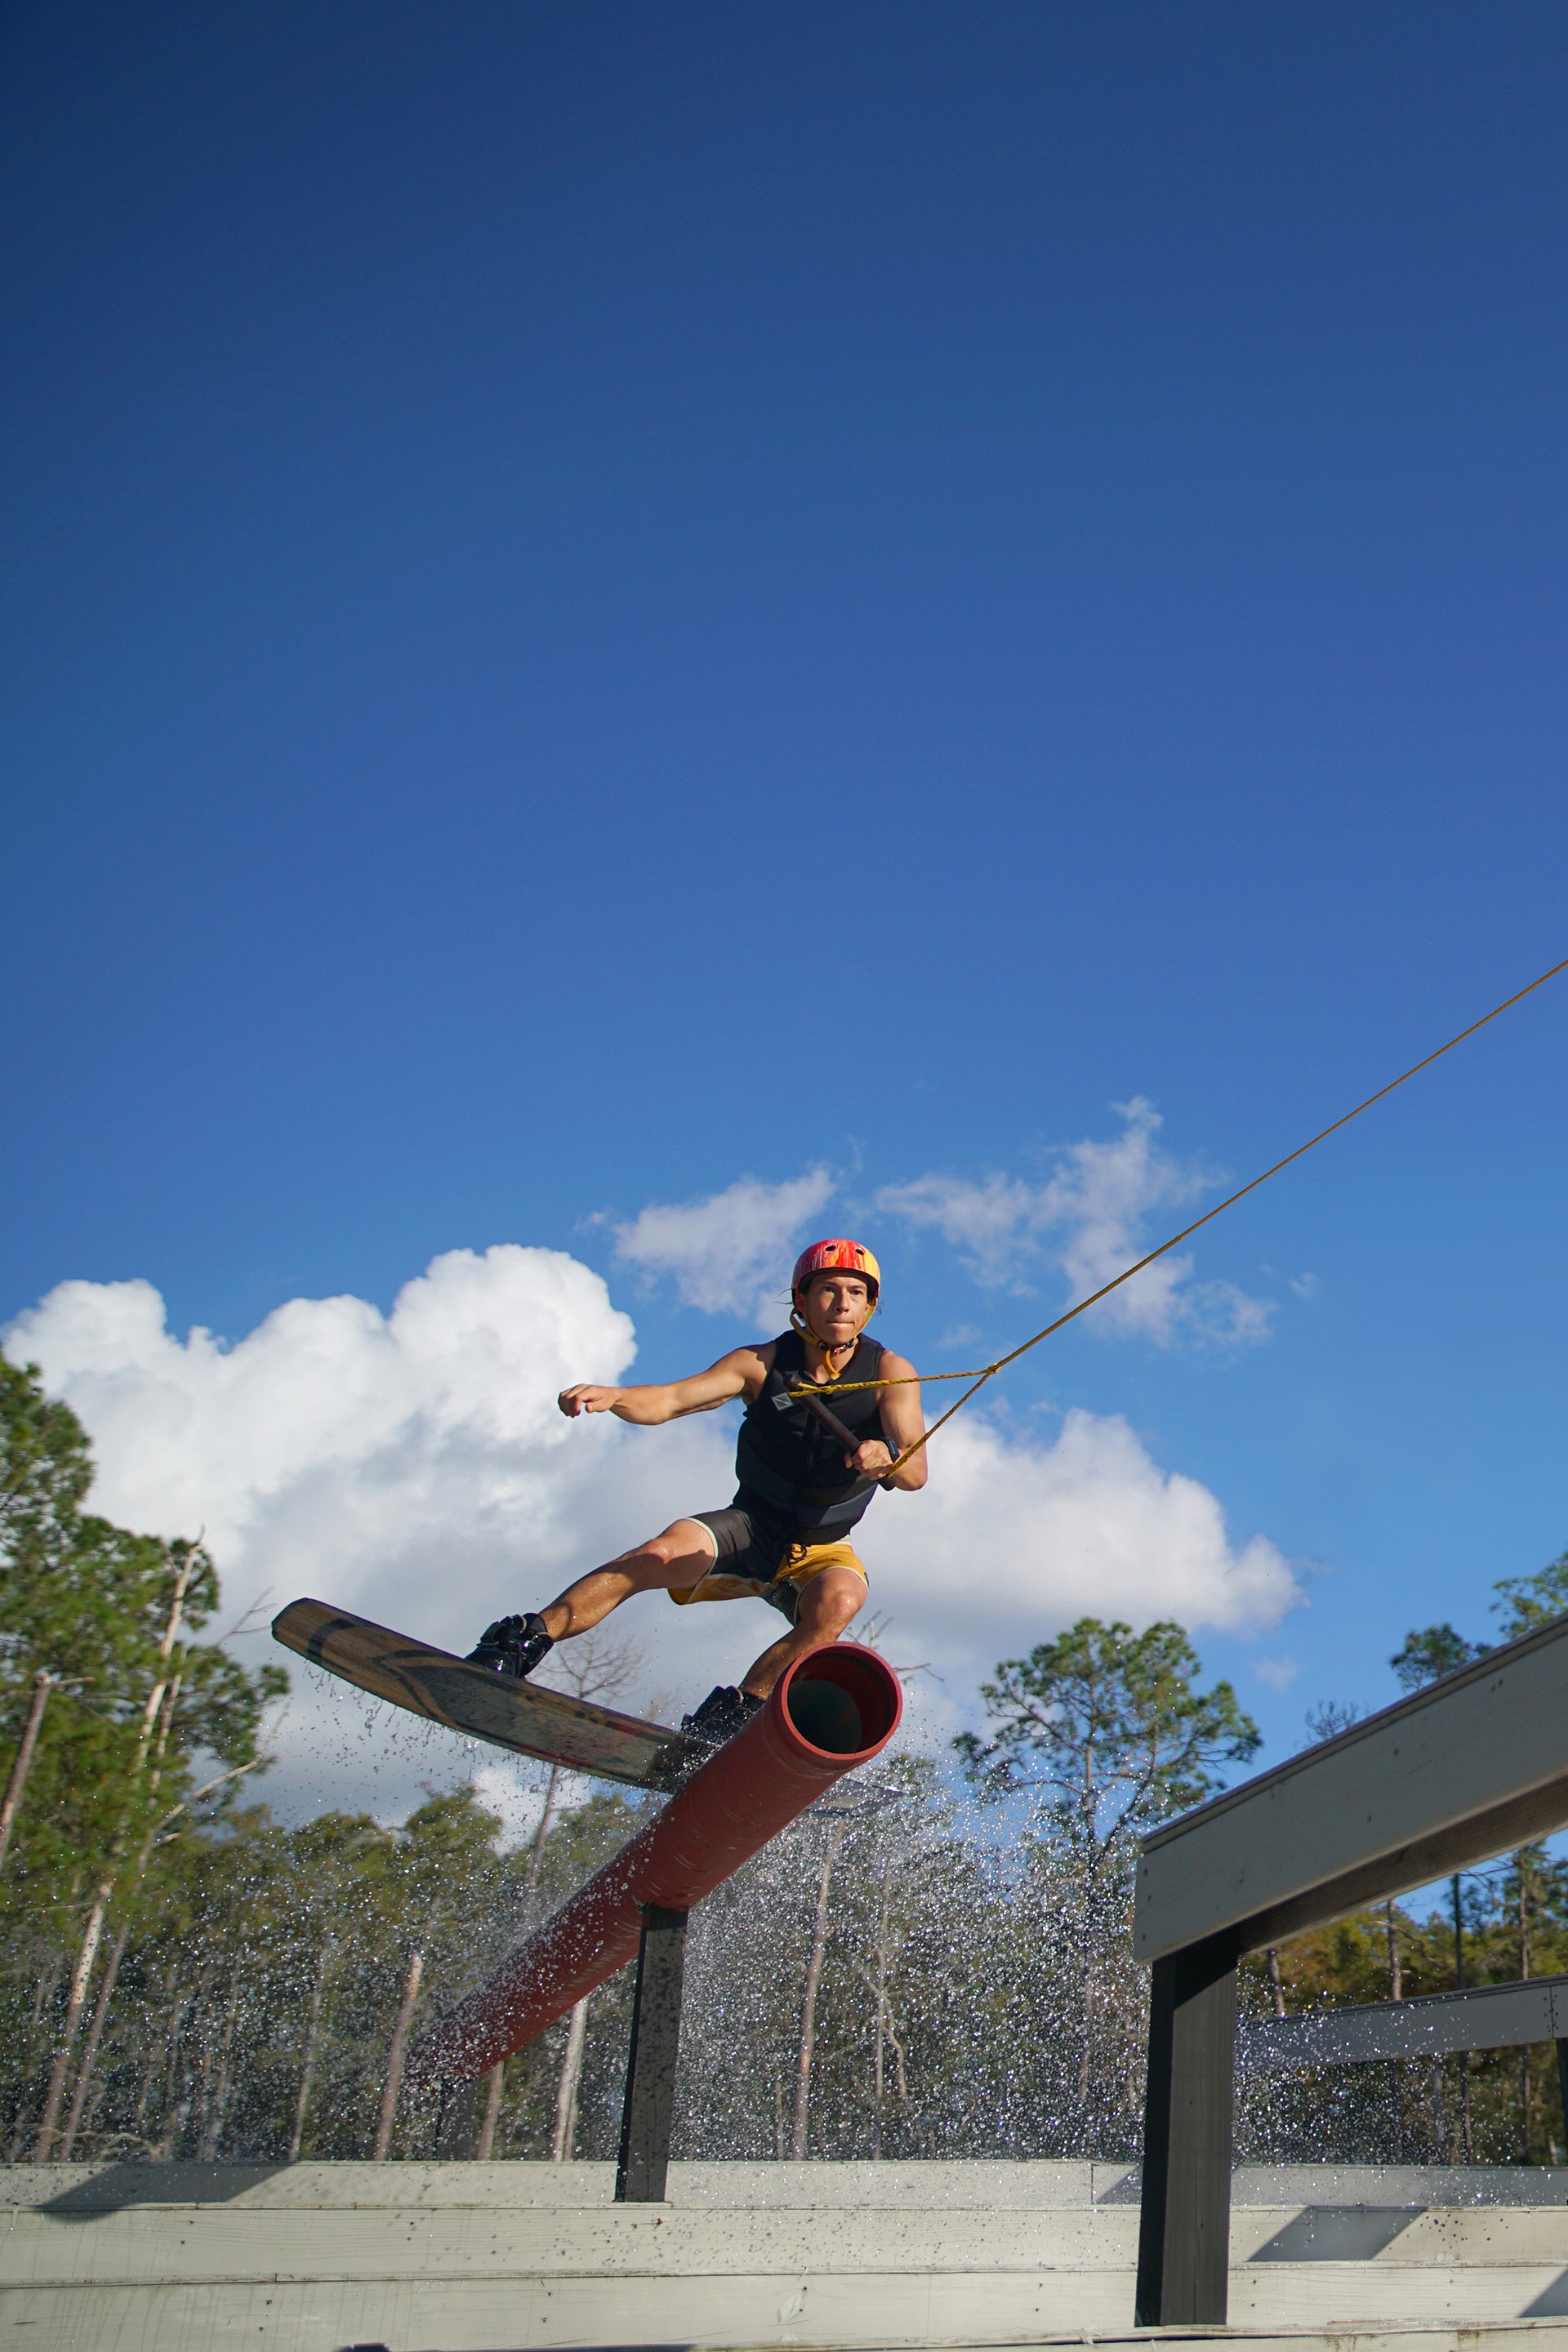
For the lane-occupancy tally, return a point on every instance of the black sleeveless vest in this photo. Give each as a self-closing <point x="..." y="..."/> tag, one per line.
<point x="787" y="1457"/>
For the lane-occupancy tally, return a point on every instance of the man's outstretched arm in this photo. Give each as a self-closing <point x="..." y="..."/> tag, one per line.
<point x="740" y="1373"/>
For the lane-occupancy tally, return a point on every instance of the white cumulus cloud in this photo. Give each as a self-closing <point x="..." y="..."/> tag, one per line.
<point x="1091" y="1220"/>
<point x="730" y="1252"/>
<point x="413" y="1466"/>
<point x="1014" y="1538"/>
<point x="355" y="1432"/>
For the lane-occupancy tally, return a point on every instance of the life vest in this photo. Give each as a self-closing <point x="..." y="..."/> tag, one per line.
<point x="786" y="1455"/>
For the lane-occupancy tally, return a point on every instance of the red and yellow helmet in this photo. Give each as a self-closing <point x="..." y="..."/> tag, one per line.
<point x="837" y="1257"/>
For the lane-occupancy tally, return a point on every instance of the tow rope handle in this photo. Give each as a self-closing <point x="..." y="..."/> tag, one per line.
<point x="831" y="1421"/>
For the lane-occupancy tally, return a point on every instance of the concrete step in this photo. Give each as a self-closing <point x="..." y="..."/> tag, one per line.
<point x="495" y="2258"/>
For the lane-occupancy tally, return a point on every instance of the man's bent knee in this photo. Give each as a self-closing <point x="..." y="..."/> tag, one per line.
<point x="825" y="1609"/>
<point x="685" y="1547"/>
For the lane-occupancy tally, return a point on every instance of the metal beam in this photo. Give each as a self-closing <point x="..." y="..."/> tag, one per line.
<point x="1488" y="2017"/>
<point x="648" y="2115"/>
<point x="1471" y="1767"/>
<point x="1183" y="2233"/>
<point x="828" y="1714"/>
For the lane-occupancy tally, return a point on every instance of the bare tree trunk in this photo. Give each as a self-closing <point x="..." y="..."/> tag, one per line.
<point x="211" y="2123"/>
<point x="89" y="2047"/>
<point x="1466" y="2156"/>
<point x="1276" y="1986"/>
<point x="495" y="2079"/>
<point x="491" y="2114"/>
<point x="1395" y="1992"/>
<point x="312" y="2044"/>
<point x="22" y="1762"/>
<point x="1520" y="1866"/>
<point x="154" y="2051"/>
<point x="877" y="2086"/>
<point x="198" y="2097"/>
<point x="597" y="1671"/>
<point x="808" y="2004"/>
<point x="394" y="2083"/>
<point x="43" y="1991"/>
<point x="81" y="1976"/>
<point x="536" y="1854"/>
<point x="168" y="2108"/>
<point x="174" y="2122"/>
<point x="213" y="2107"/>
<point x="45" y="1988"/>
<point x="564" y="2145"/>
<point x="106" y="1990"/>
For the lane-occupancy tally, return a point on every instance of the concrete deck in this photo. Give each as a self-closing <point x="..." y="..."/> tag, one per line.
<point x="498" y="2257"/>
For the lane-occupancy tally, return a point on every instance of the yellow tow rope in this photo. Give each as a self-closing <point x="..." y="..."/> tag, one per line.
<point x="989" y="1372"/>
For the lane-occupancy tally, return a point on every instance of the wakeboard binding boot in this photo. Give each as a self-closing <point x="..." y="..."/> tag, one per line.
<point x="723" y="1713"/>
<point x="513" y="1646"/>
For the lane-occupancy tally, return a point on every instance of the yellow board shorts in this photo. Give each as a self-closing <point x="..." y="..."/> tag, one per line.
<point x="753" y="1559"/>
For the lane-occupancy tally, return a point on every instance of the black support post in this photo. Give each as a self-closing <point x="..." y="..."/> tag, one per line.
<point x="454" y="2119"/>
<point x="1562" y="2077"/>
<point x="649" y="2110"/>
<point x="1183" y="2236"/>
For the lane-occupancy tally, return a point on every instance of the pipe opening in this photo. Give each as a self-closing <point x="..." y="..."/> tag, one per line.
<point x="843" y="1701"/>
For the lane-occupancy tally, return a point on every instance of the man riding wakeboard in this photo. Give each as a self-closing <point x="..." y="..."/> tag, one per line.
<point x="801" y="1487"/>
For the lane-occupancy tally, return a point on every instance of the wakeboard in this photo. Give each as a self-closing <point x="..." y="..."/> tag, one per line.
<point x="507" y="1712"/>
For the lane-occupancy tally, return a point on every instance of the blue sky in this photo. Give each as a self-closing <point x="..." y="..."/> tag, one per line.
<point x="601" y="602"/>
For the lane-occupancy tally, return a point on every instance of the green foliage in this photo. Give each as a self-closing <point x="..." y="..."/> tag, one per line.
<point x="265" y="1967"/>
<point x="1526" y="1601"/>
<point x="249" y="1975"/>
<point x="906" y="1971"/>
<point x="1496" y="2107"/>
<point x="141" y="1716"/>
<point x="1428" y="1655"/>
<point x="1504" y="2104"/>
<point x="44" y="1473"/>
<point x="1108" y="1722"/>
<point x="144" y="1727"/>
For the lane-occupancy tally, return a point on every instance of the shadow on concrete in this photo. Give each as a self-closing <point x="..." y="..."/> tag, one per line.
<point x="119" y="2185"/>
<point x="1551" y="2302"/>
<point x="1128" y="2190"/>
<point x="1336" y="2233"/>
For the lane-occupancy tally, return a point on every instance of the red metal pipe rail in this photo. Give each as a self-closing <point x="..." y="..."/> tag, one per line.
<point x="828" y="1714"/>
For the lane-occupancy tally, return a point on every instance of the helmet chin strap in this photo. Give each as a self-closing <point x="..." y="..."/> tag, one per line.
<point x="830" y="1348"/>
